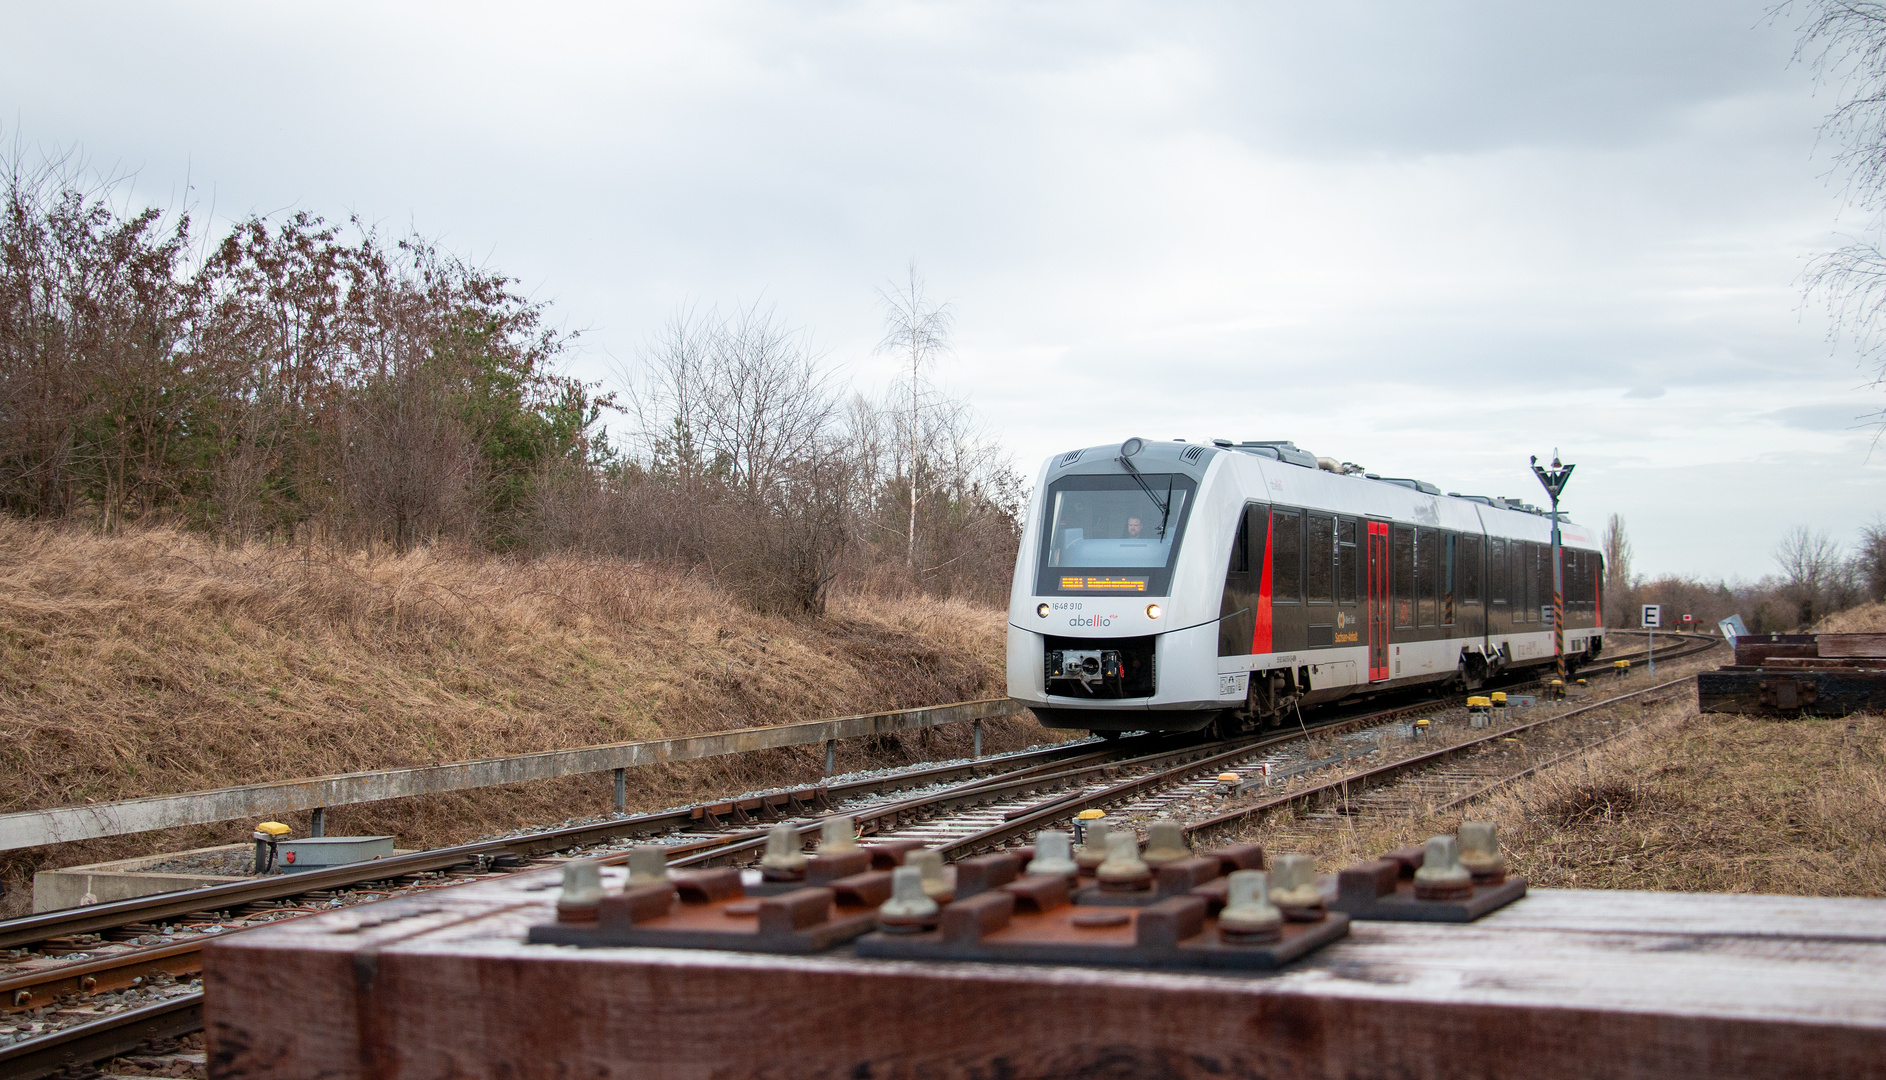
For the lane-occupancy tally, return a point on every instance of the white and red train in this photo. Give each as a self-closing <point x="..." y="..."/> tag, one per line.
<point x="1174" y="586"/>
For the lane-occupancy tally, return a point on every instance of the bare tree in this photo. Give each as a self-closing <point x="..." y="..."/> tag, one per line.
<point x="1617" y="564"/>
<point x="1845" y="43"/>
<point x="1869" y="561"/>
<point x="1810" y="567"/>
<point x="916" y="328"/>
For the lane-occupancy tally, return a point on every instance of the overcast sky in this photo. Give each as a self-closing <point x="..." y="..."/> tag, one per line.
<point x="1432" y="239"/>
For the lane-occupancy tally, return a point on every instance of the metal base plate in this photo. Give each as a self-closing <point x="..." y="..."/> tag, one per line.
<point x="1173" y="933"/>
<point x="1401" y="905"/>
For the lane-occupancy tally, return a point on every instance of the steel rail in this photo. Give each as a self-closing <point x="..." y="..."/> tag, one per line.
<point x="104" y="1038"/>
<point x="708" y="853"/>
<point x="1031" y="819"/>
<point x="119" y="971"/>
<point x="1393" y="769"/>
<point x="29" y="929"/>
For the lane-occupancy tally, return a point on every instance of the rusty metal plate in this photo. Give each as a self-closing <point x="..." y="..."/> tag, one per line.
<point x="710" y="910"/>
<point x="1004" y="926"/>
<point x="1384" y="891"/>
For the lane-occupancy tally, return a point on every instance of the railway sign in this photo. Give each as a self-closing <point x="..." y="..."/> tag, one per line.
<point x="1653" y="616"/>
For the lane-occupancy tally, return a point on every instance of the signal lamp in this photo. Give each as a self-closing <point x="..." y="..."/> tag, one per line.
<point x="1042" y="610"/>
<point x="1152" y="611"/>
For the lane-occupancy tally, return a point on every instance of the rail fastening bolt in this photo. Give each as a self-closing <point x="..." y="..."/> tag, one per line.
<point x="784" y="860"/>
<point x="838" y="835"/>
<point x="1249" y="917"/>
<point x="1124" y="870"/>
<point x="582" y="891"/>
<point x="1093" y="850"/>
<point x="648" y="863"/>
<point x="1441" y="876"/>
<point x="936" y="884"/>
<point x="909" y="907"/>
<point x="1480" y="852"/>
<point x="1053" y="855"/>
<point x="1293" y="888"/>
<point x="1165" y="842"/>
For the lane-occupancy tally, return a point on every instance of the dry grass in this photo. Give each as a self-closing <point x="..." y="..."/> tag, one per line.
<point x="1686" y="802"/>
<point x="159" y="662"/>
<point x="1865" y="619"/>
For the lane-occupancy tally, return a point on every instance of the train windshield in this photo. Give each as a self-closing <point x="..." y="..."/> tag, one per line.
<point x="1113" y="535"/>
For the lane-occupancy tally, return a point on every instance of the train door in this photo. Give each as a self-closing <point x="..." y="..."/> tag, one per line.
<point x="1378" y="600"/>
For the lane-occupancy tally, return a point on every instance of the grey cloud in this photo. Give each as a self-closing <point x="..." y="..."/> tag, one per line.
<point x="1827" y="417"/>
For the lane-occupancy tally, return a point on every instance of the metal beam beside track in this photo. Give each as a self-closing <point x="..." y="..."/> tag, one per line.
<point x="35" y="828"/>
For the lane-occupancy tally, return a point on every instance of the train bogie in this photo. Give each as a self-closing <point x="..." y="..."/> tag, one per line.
<point x="1170" y="586"/>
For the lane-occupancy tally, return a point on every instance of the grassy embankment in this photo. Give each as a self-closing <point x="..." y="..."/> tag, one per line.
<point x="158" y="662"/>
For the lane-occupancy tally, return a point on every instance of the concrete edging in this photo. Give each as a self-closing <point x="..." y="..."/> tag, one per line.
<point x="36" y="828"/>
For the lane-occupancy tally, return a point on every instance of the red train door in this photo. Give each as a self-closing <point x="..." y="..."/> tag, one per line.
<point x="1378" y="601"/>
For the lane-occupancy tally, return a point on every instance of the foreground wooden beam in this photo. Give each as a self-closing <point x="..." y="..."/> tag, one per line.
<point x="1561" y="984"/>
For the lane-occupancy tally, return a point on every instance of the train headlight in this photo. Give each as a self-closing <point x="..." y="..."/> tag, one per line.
<point x="1152" y="611"/>
<point x="1041" y="610"/>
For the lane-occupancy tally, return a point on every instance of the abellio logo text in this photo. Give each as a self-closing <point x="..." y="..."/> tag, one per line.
<point x="1091" y="620"/>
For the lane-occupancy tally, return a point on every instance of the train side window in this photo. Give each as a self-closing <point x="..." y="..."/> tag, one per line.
<point x="1517" y="579"/>
<point x="1496" y="570"/>
<point x="1449" y="550"/>
<point x="1427" y="557"/>
<point x="1543" y="579"/>
<point x="1468" y="572"/>
<point x="1286" y="568"/>
<point x="1348" y="562"/>
<point x="1529" y="571"/>
<point x="1320" y="573"/>
<point x="1403" y="585"/>
<point x="1241" y="547"/>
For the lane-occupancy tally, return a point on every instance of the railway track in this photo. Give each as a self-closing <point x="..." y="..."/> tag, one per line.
<point x="1450" y="776"/>
<point x="960" y="808"/>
